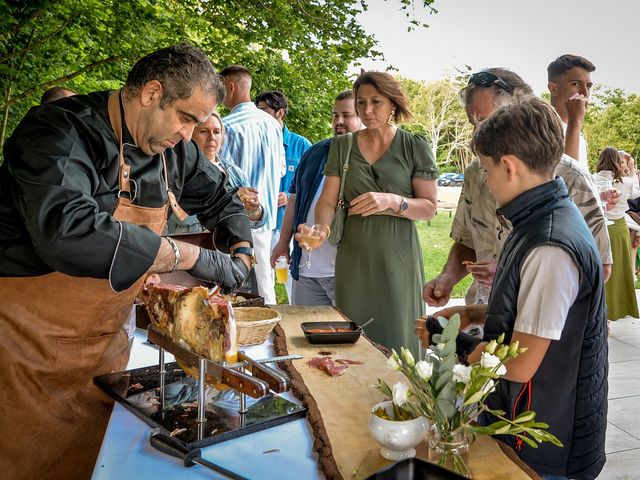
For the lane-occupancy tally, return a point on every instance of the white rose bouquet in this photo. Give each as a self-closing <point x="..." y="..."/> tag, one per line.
<point x="452" y="396"/>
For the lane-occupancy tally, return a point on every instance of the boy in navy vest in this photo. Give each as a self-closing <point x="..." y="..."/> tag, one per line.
<point x="547" y="294"/>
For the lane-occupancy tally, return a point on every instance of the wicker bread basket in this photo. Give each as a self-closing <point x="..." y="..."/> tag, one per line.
<point x="254" y="324"/>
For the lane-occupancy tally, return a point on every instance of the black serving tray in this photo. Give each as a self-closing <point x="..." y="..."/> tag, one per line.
<point x="351" y="336"/>
<point x="138" y="391"/>
<point x="415" y="469"/>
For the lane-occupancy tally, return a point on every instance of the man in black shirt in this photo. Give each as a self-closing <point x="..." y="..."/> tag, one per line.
<point x="84" y="196"/>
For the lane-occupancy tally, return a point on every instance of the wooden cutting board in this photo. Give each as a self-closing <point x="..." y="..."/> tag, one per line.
<point x="344" y="402"/>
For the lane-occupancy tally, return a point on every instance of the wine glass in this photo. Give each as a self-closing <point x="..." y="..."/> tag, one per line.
<point x="310" y="238"/>
<point x="605" y="190"/>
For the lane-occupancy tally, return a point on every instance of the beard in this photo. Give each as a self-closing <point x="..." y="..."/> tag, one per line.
<point x="340" y="129"/>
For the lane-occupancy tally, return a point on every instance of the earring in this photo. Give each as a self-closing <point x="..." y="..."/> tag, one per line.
<point x="392" y="118"/>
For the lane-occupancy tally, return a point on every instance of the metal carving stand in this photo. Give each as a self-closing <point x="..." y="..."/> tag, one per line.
<point x="234" y="375"/>
<point x="164" y="397"/>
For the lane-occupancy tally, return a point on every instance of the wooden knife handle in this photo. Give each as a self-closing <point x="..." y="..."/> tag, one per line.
<point x="278" y="381"/>
<point x="242" y="382"/>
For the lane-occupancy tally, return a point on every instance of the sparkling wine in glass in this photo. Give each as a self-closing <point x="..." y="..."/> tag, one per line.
<point x="605" y="192"/>
<point x="309" y="239"/>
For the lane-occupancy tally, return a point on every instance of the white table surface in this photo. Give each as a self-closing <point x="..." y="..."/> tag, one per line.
<point x="126" y="452"/>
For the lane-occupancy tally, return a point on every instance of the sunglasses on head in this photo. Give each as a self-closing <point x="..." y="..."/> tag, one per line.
<point x="488" y="79"/>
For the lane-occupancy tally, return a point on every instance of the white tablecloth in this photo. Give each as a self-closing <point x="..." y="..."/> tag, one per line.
<point x="126" y="452"/>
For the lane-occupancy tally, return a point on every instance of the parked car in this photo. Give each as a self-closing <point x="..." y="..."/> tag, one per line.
<point x="457" y="180"/>
<point x="445" y="179"/>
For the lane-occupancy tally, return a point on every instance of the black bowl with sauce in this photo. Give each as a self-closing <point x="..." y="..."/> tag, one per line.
<point x="331" y="332"/>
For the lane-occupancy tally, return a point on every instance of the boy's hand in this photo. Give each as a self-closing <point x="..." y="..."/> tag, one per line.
<point x="468" y="314"/>
<point x="421" y="331"/>
<point x="465" y="343"/>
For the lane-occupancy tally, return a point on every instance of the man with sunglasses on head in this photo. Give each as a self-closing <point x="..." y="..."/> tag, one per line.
<point x="570" y="86"/>
<point x="477" y="231"/>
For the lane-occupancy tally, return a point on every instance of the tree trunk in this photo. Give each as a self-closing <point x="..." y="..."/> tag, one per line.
<point x="5" y="116"/>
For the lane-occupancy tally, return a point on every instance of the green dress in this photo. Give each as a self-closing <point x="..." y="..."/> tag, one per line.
<point x="620" y="289"/>
<point x="379" y="268"/>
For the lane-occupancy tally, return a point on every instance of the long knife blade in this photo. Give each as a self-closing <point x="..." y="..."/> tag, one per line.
<point x="281" y="358"/>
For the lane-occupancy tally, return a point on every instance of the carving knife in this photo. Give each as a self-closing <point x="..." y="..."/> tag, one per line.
<point x="175" y="448"/>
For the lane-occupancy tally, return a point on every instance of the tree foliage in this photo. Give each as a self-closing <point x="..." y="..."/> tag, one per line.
<point x="302" y="47"/>
<point x="612" y="120"/>
<point x="439" y="116"/>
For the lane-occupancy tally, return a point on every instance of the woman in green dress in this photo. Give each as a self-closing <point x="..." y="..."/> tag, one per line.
<point x="391" y="182"/>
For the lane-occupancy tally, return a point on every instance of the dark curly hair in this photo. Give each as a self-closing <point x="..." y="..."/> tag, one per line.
<point x="180" y="69"/>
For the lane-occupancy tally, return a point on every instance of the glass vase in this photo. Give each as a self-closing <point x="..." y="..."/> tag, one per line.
<point x="449" y="449"/>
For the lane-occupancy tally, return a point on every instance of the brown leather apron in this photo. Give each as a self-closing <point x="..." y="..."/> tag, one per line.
<point x="56" y="333"/>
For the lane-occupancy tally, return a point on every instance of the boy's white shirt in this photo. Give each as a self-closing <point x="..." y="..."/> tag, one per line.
<point x="549" y="283"/>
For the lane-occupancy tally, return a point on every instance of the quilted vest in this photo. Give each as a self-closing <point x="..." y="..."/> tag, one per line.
<point x="569" y="389"/>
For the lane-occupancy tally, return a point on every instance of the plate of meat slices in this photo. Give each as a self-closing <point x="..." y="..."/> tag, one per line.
<point x="331" y="332"/>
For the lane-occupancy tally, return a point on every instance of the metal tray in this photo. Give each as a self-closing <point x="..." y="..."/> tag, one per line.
<point x="351" y="336"/>
<point x="138" y="391"/>
<point x="414" y="468"/>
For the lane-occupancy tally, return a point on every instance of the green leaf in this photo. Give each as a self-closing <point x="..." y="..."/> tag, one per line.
<point x="445" y="378"/>
<point x="528" y="441"/>
<point x="447" y="364"/>
<point x="475" y="398"/>
<point x="525" y="417"/>
<point x="446" y="407"/>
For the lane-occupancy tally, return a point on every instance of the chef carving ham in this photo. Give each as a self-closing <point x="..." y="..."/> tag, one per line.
<point x="194" y="320"/>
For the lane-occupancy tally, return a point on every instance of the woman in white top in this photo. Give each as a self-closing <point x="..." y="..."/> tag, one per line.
<point x="612" y="172"/>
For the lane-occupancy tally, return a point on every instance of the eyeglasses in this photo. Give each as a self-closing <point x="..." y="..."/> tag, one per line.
<point x="488" y="79"/>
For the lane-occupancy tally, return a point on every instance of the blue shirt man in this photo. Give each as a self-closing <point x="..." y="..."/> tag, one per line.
<point x="294" y="148"/>
<point x="276" y="104"/>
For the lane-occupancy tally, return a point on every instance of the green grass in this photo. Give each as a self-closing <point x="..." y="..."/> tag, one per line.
<point x="435" y="243"/>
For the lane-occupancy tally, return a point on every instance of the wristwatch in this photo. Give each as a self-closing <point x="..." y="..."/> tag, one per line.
<point x="403" y="206"/>
<point x="245" y="251"/>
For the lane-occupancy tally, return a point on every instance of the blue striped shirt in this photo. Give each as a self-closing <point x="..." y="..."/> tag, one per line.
<point x="254" y="143"/>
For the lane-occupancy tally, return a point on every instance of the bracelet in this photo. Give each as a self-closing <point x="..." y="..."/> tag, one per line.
<point x="328" y="229"/>
<point x="253" y="212"/>
<point x="176" y="253"/>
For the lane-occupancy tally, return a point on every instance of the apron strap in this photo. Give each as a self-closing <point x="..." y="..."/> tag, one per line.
<point x="116" y="114"/>
<point x="115" y="117"/>
<point x="173" y="202"/>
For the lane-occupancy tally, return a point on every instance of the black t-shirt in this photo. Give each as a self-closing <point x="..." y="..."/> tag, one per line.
<point x="59" y="186"/>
